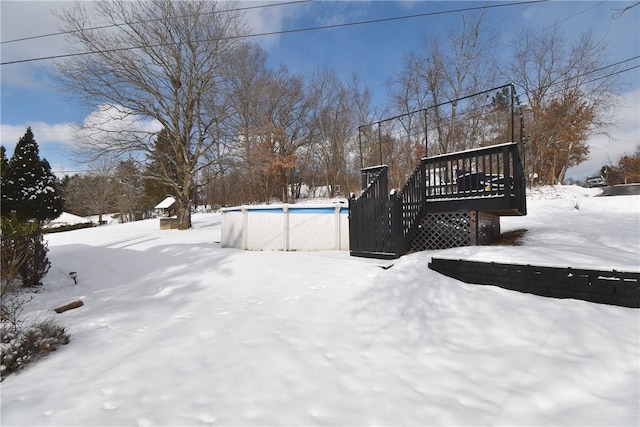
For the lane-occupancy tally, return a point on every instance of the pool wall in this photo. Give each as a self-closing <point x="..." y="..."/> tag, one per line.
<point x="286" y="227"/>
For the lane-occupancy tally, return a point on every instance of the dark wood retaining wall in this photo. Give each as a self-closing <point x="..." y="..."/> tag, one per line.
<point x="604" y="287"/>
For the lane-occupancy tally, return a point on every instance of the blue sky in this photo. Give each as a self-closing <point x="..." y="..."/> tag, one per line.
<point x="374" y="51"/>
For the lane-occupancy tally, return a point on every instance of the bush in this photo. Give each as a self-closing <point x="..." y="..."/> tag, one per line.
<point x="24" y="262"/>
<point x="23" y="346"/>
<point x="37" y="264"/>
<point x="23" y="252"/>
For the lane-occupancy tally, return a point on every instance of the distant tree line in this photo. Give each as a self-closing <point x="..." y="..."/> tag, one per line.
<point x="626" y="171"/>
<point x="235" y="130"/>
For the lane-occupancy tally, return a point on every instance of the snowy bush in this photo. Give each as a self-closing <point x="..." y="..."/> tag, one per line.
<point x="21" y="346"/>
<point x="23" y="257"/>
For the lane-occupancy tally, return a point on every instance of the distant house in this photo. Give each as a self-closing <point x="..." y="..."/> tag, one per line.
<point x="167" y="207"/>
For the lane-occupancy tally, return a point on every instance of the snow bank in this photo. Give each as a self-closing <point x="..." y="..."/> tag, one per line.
<point x="68" y="219"/>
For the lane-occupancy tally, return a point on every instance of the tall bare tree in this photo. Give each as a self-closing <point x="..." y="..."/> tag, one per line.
<point x="283" y="131"/>
<point x="561" y="76"/>
<point x="444" y="70"/>
<point x="93" y="193"/>
<point x="334" y="125"/>
<point x="161" y="63"/>
<point x="245" y="88"/>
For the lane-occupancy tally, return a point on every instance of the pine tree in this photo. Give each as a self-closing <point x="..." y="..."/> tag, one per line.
<point x="161" y="165"/>
<point x="31" y="187"/>
<point x="4" y="168"/>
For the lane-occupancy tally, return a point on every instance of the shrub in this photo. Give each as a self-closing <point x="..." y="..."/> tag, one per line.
<point x="37" y="264"/>
<point x="24" y="262"/>
<point x="23" y="346"/>
<point x="23" y="252"/>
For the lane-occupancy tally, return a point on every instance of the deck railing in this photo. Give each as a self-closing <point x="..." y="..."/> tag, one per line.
<point x="482" y="172"/>
<point x="489" y="179"/>
<point x="370" y="216"/>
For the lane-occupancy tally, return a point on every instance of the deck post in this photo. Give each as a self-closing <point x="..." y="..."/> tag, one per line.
<point x="396" y="223"/>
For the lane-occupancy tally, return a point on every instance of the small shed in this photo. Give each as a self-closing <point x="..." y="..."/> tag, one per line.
<point x="167" y="207"/>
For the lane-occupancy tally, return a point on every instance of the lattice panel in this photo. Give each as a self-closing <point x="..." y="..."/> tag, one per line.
<point x="442" y="230"/>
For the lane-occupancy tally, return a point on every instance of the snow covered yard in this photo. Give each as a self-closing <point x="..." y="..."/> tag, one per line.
<point x="177" y="331"/>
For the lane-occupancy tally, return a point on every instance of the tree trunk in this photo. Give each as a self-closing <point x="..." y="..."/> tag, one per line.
<point x="184" y="217"/>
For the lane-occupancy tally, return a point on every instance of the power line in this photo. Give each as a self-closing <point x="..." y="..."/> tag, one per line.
<point x="620" y="12"/>
<point x="589" y="81"/>
<point x="615" y="73"/>
<point x="296" y="30"/>
<point x="102" y="27"/>
<point x="574" y="15"/>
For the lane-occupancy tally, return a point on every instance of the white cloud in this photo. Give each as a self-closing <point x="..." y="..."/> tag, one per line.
<point x="114" y="122"/>
<point x="58" y="142"/>
<point x="271" y="19"/>
<point x="44" y="133"/>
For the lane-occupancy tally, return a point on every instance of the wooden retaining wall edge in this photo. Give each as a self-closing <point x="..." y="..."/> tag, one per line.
<point x="612" y="287"/>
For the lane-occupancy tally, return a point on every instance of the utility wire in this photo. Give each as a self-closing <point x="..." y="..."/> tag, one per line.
<point x="620" y="12"/>
<point x="102" y="27"/>
<point x="423" y="109"/>
<point x="614" y="73"/>
<point x="296" y="30"/>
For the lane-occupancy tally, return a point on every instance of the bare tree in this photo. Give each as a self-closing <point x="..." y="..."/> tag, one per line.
<point x="561" y="76"/>
<point x="282" y="132"/>
<point x="334" y="125"/>
<point x="446" y="69"/>
<point x="245" y="89"/>
<point x="95" y="192"/>
<point x="161" y="64"/>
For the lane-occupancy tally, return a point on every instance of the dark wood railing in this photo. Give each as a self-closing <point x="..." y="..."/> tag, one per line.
<point x="370" y="232"/>
<point x="489" y="179"/>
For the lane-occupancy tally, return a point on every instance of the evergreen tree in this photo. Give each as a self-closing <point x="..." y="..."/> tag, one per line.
<point x="161" y="165"/>
<point x="4" y="167"/>
<point x="4" y="164"/>
<point x="31" y="188"/>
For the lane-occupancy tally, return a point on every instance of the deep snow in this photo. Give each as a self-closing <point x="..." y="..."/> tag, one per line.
<point x="178" y="331"/>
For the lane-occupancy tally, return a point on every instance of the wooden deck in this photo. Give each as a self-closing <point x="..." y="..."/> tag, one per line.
<point x="488" y="180"/>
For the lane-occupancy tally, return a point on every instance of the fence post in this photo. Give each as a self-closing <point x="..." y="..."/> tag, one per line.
<point x="423" y="181"/>
<point x="508" y="167"/>
<point x="245" y="227"/>
<point x="285" y="224"/>
<point x="336" y="226"/>
<point x="396" y="224"/>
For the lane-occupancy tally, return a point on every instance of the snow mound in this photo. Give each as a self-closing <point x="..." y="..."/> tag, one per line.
<point x="68" y="219"/>
<point x="549" y="192"/>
